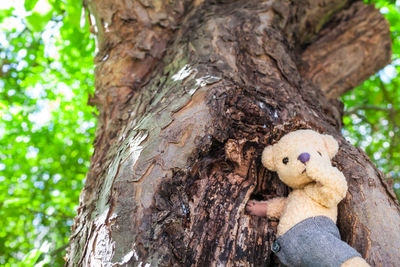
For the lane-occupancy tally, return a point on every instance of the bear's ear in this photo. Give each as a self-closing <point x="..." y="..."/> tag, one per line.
<point x="331" y="145"/>
<point x="267" y="158"/>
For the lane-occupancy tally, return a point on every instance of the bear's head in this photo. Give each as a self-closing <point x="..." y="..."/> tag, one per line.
<point x="290" y="155"/>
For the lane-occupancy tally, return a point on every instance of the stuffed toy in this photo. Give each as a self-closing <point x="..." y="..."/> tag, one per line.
<point x="307" y="232"/>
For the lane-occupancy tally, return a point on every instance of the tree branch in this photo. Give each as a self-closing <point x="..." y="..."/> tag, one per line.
<point x="352" y="47"/>
<point x="311" y="16"/>
<point x="353" y="110"/>
<point x="392" y="119"/>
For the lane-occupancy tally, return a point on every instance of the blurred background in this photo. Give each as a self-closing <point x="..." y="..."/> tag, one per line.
<point x="47" y="128"/>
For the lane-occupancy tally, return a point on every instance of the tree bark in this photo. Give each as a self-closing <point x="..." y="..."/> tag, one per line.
<point x="189" y="93"/>
<point x="346" y="54"/>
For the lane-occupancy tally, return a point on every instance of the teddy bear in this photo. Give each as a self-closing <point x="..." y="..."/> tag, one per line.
<point x="307" y="233"/>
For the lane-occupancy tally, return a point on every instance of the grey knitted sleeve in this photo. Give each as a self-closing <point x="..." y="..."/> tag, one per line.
<point x="313" y="242"/>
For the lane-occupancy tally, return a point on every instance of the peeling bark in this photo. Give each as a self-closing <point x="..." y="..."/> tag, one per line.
<point x="189" y="94"/>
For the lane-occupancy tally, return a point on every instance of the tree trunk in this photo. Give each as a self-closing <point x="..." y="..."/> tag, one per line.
<point x="189" y="93"/>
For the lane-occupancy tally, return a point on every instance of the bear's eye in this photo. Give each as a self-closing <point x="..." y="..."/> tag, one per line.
<point x="319" y="153"/>
<point x="285" y="160"/>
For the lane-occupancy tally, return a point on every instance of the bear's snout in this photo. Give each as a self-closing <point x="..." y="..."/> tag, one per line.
<point x="304" y="157"/>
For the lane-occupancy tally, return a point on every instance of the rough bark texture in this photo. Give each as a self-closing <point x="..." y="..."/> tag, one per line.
<point x="346" y="52"/>
<point x="189" y="94"/>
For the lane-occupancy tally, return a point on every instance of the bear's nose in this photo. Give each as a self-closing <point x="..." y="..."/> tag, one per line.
<point x="304" y="157"/>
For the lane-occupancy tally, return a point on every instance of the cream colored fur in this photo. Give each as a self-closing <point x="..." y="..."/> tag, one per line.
<point x="355" y="262"/>
<point x="318" y="187"/>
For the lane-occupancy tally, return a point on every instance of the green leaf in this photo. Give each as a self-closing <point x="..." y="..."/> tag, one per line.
<point x="32" y="257"/>
<point x="36" y="22"/>
<point x="30" y="4"/>
<point x="5" y="13"/>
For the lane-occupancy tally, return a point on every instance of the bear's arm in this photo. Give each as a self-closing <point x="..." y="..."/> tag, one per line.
<point x="330" y="185"/>
<point x="271" y="208"/>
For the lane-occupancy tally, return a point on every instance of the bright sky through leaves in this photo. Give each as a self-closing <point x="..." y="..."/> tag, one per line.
<point x="372" y="110"/>
<point x="46" y="127"/>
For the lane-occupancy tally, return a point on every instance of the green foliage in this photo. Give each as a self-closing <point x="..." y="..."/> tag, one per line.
<point x="46" y="127"/>
<point x="372" y="109"/>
